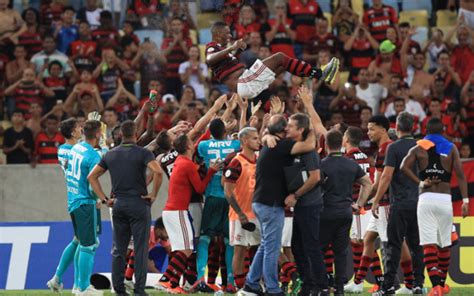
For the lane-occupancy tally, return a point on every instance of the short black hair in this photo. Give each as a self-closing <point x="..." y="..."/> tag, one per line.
<point x="111" y="109"/>
<point x="405" y="122"/>
<point x="302" y="121"/>
<point x="404" y="25"/>
<point x="49" y="36"/>
<point x="399" y="99"/>
<point x="354" y="135"/>
<point x="181" y="144"/>
<point x="444" y="51"/>
<point x="35" y="11"/>
<point x="159" y="223"/>
<point x="91" y="128"/>
<point x="55" y="62"/>
<point x="435" y="100"/>
<point x="69" y="8"/>
<point x="217" y="129"/>
<point x="163" y="140"/>
<point x="366" y="108"/>
<point x="18" y="111"/>
<point x="381" y="121"/>
<point x="434" y="126"/>
<point x="126" y="41"/>
<point x="334" y="140"/>
<point x="67" y="127"/>
<point x="128" y="129"/>
<point x="105" y="14"/>
<point x="52" y="117"/>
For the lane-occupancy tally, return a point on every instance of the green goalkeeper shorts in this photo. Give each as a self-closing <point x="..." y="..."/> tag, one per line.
<point x="215" y="217"/>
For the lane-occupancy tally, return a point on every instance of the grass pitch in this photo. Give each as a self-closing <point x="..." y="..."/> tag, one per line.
<point x="454" y="292"/>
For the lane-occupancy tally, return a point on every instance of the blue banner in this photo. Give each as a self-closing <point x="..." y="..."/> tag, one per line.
<point x="30" y="252"/>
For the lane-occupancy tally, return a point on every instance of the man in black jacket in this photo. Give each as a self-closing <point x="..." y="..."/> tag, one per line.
<point x="340" y="174"/>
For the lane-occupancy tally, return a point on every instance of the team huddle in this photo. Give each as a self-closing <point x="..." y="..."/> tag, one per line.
<point x="274" y="205"/>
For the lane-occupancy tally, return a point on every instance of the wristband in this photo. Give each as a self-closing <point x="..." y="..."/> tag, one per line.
<point x="421" y="185"/>
<point x="465" y="200"/>
<point x="105" y="200"/>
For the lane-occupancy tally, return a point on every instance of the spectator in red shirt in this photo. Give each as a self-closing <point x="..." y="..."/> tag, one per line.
<point x="83" y="50"/>
<point x="462" y="56"/>
<point x="146" y="14"/>
<point x="129" y="32"/>
<point x="434" y="110"/>
<point x="124" y="103"/>
<point x="378" y="18"/>
<point x="180" y="9"/>
<point x="385" y="64"/>
<point x="230" y="12"/>
<point x="83" y="101"/>
<point x="54" y="82"/>
<point x="413" y="46"/>
<point x="361" y="48"/>
<point x="47" y="143"/>
<point x="304" y="14"/>
<point x="458" y="131"/>
<point x="31" y="38"/>
<point x="28" y="90"/>
<point x="175" y="49"/>
<point x="438" y="91"/>
<point x="51" y="13"/>
<point x="278" y="32"/>
<point x="106" y="35"/>
<point x="348" y="104"/>
<point x="446" y="73"/>
<point x="344" y="20"/>
<point x="247" y="23"/>
<point x="465" y="150"/>
<point x="467" y="100"/>
<point x="319" y="40"/>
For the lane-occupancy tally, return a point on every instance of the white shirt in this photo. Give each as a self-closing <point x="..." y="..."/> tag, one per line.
<point x="194" y="79"/>
<point x="372" y="95"/>
<point x="39" y="58"/>
<point x="413" y="107"/>
<point x="93" y="18"/>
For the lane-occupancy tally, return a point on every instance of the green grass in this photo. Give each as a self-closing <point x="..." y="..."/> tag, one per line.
<point x="454" y="292"/>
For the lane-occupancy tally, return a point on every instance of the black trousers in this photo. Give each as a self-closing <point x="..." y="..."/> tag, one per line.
<point x="131" y="217"/>
<point x="305" y="245"/>
<point x="403" y="224"/>
<point x="336" y="232"/>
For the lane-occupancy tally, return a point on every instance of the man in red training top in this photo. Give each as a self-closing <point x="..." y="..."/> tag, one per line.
<point x="183" y="182"/>
<point x="249" y="83"/>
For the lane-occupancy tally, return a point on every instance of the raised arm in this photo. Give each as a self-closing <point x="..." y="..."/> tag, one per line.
<point x="213" y="58"/>
<point x="200" y="126"/>
<point x="307" y="98"/>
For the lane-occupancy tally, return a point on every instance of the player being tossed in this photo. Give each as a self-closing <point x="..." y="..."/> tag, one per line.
<point x="248" y="83"/>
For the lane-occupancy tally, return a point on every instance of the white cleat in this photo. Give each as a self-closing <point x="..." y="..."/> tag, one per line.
<point x="129" y="286"/>
<point x="54" y="285"/>
<point x="404" y="291"/>
<point x="90" y="291"/>
<point x="354" y="288"/>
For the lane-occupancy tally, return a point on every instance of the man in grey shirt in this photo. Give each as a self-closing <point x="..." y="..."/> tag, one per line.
<point x="127" y="165"/>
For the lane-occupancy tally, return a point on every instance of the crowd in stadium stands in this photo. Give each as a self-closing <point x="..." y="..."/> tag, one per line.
<point x="57" y="62"/>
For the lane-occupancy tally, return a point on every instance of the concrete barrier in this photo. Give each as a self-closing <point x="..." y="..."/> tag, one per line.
<point x="39" y="194"/>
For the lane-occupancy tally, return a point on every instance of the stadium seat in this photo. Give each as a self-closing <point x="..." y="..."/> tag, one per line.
<point x="202" y="51"/>
<point x="416" y="18"/>
<point x="325" y="5"/>
<point x="154" y="35"/>
<point x="205" y="36"/>
<point x="446" y="18"/>
<point x="205" y="20"/>
<point x="421" y="35"/>
<point x="343" y="77"/>
<point x="408" y="5"/>
<point x="328" y="15"/>
<point x="194" y="36"/>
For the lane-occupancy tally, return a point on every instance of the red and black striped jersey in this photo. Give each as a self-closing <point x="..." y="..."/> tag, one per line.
<point x="51" y="13"/>
<point x="363" y="161"/>
<point x="304" y="18"/>
<point x="379" y="20"/>
<point x="32" y="43"/>
<point x="46" y="148"/>
<point x="175" y="57"/>
<point x="282" y="41"/>
<point x="224" y="67"/>
<point x="470" y="116"/>
<point x="361" y="55"/>
<point x="379" y="165"/>
<point x="24" y="96"/>
<point x="105" y="38"/>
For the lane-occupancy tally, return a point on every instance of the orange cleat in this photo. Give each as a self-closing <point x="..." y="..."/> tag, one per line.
<point x="163" y="286"/>
<point x="374" y="288"/>
<point x="436" y="291"/>
<point x="176" y="290"/>
<point x="446" y="289"/>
